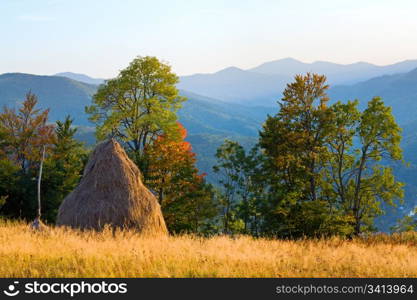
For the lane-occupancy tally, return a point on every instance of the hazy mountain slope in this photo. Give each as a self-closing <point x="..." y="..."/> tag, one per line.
<point x="206" y="115"/>
<point x="210" y="121"/>
<point x="81" y="77"/>
<point x="398" y="91"/>
<point x="336" y="73"/>
<point x="62" y="95"/>
<point x="237" y="86"/>
<point x="65" y="96"/>
<point x="263" y="85"/>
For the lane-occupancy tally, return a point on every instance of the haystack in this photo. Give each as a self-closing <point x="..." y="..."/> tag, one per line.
<point x="111" y="193"/>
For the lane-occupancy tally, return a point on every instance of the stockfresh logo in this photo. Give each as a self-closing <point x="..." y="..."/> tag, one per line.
<point x="12" y="290"/>
<point x="65" y="288"/>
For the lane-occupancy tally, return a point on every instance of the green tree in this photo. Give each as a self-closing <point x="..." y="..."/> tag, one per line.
<point x="137" y="106"/>
<point x="295" y="138"/>
<point x="295" y="144"/>
<point x="328" y="165"/>
<point x="362" y="145"/>
<point x="230" y="156"/>
<point x="342" y="153"/>
<point x="406" y="223"/>
<point x="242" y="187"/>
<point x="251" y="190"/>
<point x="380" y="138"/>
<point x="63" y="168"/>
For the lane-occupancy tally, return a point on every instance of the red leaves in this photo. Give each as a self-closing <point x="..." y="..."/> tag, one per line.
<point x="26" y="131"/>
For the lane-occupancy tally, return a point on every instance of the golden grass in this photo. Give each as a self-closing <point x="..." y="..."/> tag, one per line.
<point x="66" y="253"/>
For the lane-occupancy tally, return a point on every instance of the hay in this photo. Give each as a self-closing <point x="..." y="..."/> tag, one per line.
<point x="111" y="193"/>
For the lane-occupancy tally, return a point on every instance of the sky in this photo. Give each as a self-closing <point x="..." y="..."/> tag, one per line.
<point x="101" y="37"/>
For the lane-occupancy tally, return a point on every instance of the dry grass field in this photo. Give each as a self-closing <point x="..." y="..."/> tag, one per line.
<point x="65" y="253"/>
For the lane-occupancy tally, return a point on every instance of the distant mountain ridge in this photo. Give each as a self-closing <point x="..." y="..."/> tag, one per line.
<point x="81" y="77"/>
<point x="263" y="85"/>
<point x="235" y="85"/>
<point x="336" y="73"/>
<point x="66" y="96"/>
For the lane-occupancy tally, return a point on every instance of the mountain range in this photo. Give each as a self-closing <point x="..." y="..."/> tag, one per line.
<point x="233" y="104"/>
<point x="262" y="85"/>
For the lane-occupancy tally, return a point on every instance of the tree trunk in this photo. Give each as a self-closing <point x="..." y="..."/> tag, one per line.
<point x="37" y="224"/>
<point x="356" y="200"/>
<point x="39" y="183"/>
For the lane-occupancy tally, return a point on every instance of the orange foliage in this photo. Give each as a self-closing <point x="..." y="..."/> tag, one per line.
<point x="26" y="132"/>
<point x="171" y="162"/>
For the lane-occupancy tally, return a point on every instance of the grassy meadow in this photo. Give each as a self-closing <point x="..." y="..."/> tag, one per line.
<point x="59" y="252"/>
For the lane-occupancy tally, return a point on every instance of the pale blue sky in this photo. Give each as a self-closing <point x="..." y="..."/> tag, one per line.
<point x="100" y="37"/>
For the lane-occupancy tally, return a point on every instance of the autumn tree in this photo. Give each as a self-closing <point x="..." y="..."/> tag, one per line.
<point x="26" y="133"/>
<point x="137" y="106"/>
<point x="185" y="197"/>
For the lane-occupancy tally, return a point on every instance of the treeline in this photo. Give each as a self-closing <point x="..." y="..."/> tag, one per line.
<point x="317" y="170"/>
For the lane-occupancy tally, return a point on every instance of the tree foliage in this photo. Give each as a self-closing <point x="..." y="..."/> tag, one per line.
<point x="329" y="161"/>
<point x="137" y="106"/>
<point x="63" y="168"/>
<point x="185" y="197"/>
<point x="25" y="132"/>
<point x="240" y="178"/>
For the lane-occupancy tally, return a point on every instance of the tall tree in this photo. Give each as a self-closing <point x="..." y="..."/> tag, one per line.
<point x="137" y="106"/>
<point x="230" y="156"/>
<point x="341" y="167"/>
<point x="27" y="133"/>
<point x="295" y="138"/>
<point x="358" y="181"/>
<point x="295" y="144"/>
<point x="380" y="138"/>
<point x="63" y="168"/>
<point x="242" y="184"/>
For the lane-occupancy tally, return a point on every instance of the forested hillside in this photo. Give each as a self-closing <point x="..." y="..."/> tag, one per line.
<point x="210" y="121"/>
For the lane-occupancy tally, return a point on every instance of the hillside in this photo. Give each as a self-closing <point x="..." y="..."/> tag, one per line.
<point x="209" y="121"/>
<point x="62" y="95"/>
<point x="207" y="115"/>
<point x="235" y="85"/>
<point x="398" y="91"/>
<point x="66" y="96"/>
